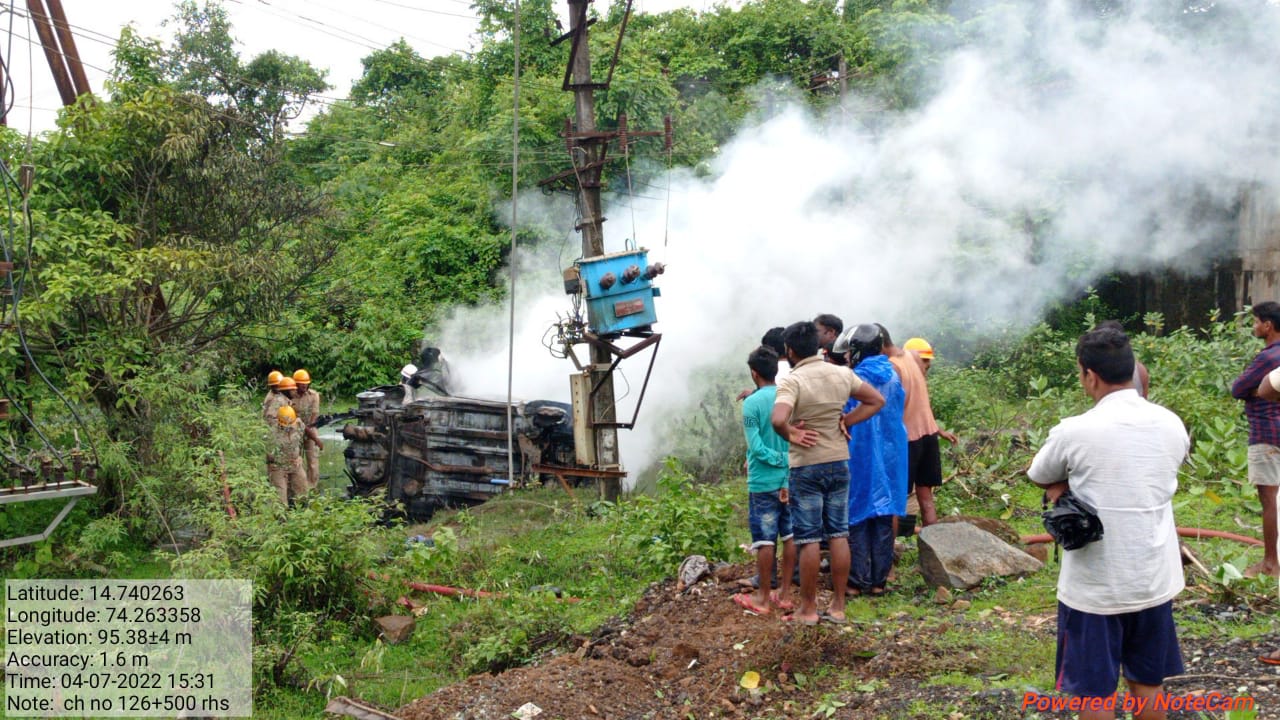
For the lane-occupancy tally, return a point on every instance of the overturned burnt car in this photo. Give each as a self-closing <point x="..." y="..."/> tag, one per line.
<point x="425" y="450"/>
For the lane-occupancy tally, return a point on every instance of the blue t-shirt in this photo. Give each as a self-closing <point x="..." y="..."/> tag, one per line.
<point x="766" y="449"/>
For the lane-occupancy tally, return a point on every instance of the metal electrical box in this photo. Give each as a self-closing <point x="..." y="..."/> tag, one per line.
<point x="619" y="291"/>
<point x="584" y="440"/>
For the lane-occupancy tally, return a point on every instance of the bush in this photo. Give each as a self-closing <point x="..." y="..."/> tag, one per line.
<point x="685" y="518"/>
<point x="708" y="440"/>
<point x="307" y="565"/>
<point x="508" y="633"/>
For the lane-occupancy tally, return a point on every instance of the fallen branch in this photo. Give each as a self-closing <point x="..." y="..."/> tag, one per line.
<point x="1190" y="557"/>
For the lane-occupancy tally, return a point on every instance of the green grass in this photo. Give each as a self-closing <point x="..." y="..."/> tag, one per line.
<point x="513" y="545"/>
<point x="608" y="555"/>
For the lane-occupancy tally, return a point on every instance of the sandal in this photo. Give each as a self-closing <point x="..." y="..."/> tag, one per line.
<point x="776" y="599"/>
<point x="1272" y="658"/>
<point x="878" y="591"/>
<point x="743" y="601"/>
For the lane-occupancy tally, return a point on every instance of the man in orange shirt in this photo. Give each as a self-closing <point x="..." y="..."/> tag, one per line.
<point x="924" y="456"/>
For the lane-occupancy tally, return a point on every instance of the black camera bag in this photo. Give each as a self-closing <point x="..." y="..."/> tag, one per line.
<point x="1072" y="522"/>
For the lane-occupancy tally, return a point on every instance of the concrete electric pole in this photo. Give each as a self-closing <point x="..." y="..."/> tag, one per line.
<point x="588" y="150"/>
<point x="619" y="299"/>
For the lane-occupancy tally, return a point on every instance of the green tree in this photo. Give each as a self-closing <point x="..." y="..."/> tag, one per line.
<point x="268" y="91"/>
<point x="166" y="233"/>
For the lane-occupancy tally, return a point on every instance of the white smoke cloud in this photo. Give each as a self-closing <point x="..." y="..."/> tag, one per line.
<point x="1057" y="148"/>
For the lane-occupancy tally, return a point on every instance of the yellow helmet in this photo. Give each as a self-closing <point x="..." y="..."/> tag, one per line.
<point x="273" y="378"/>
<point x="921" y="346"/>
<point x="287" y="383"/>
<point x="286" y="415"/>
<point x="302" y="377"/>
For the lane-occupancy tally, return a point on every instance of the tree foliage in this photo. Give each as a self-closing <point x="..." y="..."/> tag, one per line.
<point x="165" y="230"/>
<point x="178" y="233"/>
<point x="419" y="158"/>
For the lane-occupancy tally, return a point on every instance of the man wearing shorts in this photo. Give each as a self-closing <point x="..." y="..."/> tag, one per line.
<point x="809" y="412"/>
<point x="1264" y="430"/>
<point x="767" y="497"/>
<point x="1115" y="595"/>
<point x="1269" y="389"/>
<point x="924" y="455"/>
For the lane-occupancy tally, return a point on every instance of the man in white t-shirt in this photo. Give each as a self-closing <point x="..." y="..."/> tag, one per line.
<point x="1115" y="608"/>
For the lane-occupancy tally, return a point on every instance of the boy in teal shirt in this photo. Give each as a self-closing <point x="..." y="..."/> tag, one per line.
<point x="767" y="471"/>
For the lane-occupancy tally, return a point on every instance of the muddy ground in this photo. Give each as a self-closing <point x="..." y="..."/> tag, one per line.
<point x="682" y="655"/>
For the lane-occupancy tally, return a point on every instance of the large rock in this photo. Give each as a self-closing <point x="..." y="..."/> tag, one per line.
<point x="999" y="528"/>
<point x="960" y="555"/>
<point x="395" y="629"/>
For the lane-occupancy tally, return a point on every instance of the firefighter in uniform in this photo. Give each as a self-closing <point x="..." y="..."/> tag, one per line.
<point x="285" y="392"/>
<point x="284" y="456"/>
<point x="307" y="403"/>
<point x="269" y="403"/>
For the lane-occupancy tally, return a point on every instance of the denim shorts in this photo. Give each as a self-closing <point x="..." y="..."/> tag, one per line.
<point x="769" y="519"/>
<point x="820" y="501"/>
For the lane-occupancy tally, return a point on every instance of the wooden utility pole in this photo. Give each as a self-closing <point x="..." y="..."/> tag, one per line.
<point x="588" y="157"/>
<point x="52" y="53"/>
<point x="79" y="81"/>
<point x="59" y="49"/>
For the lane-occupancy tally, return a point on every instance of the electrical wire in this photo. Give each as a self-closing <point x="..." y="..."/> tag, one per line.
<point x="631" y="204"/>
<point x="15" y="290"/>
<point x="666" y="218"/>
<point x="11" y="93"/>
<point x="400" y="31"/>
<point x="344" y="34"/>
<point x="178" y="97"/>
<point x="419" y="9"/>
<point x="17" y="317"/>
<point x="515" y="204"/>
<point x="319" y="99"/>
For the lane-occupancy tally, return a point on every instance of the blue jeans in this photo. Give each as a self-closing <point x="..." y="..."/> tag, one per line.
<point x="820" y="501"/>
<point x="769" y="519"/>
<point x="871" y="552"/>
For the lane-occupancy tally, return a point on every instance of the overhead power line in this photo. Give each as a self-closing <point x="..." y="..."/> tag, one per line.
<point x="338" y="32"/>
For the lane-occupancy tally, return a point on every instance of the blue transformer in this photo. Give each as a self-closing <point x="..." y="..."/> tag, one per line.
<point x="619" y="290"/>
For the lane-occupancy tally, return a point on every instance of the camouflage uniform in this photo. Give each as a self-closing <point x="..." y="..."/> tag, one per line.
<point x="307" y="404"/>
<point x="284" y="460"/>
<point x="271" y="405"/>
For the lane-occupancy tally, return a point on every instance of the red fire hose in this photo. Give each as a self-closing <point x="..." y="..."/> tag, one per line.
<point x="1194" y="533"/>
<point x="464" y="592"/>
<point x="450" y="591"/>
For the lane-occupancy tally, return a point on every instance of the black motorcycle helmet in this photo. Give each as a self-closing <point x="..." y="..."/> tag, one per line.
<point x="860" y="342"/>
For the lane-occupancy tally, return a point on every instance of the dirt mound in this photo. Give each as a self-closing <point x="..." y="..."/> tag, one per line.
<point x="677" y="653"/>
<point x="681" y="655"/>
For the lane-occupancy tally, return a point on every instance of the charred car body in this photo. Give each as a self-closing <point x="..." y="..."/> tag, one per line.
<point x="428" y="450"/>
